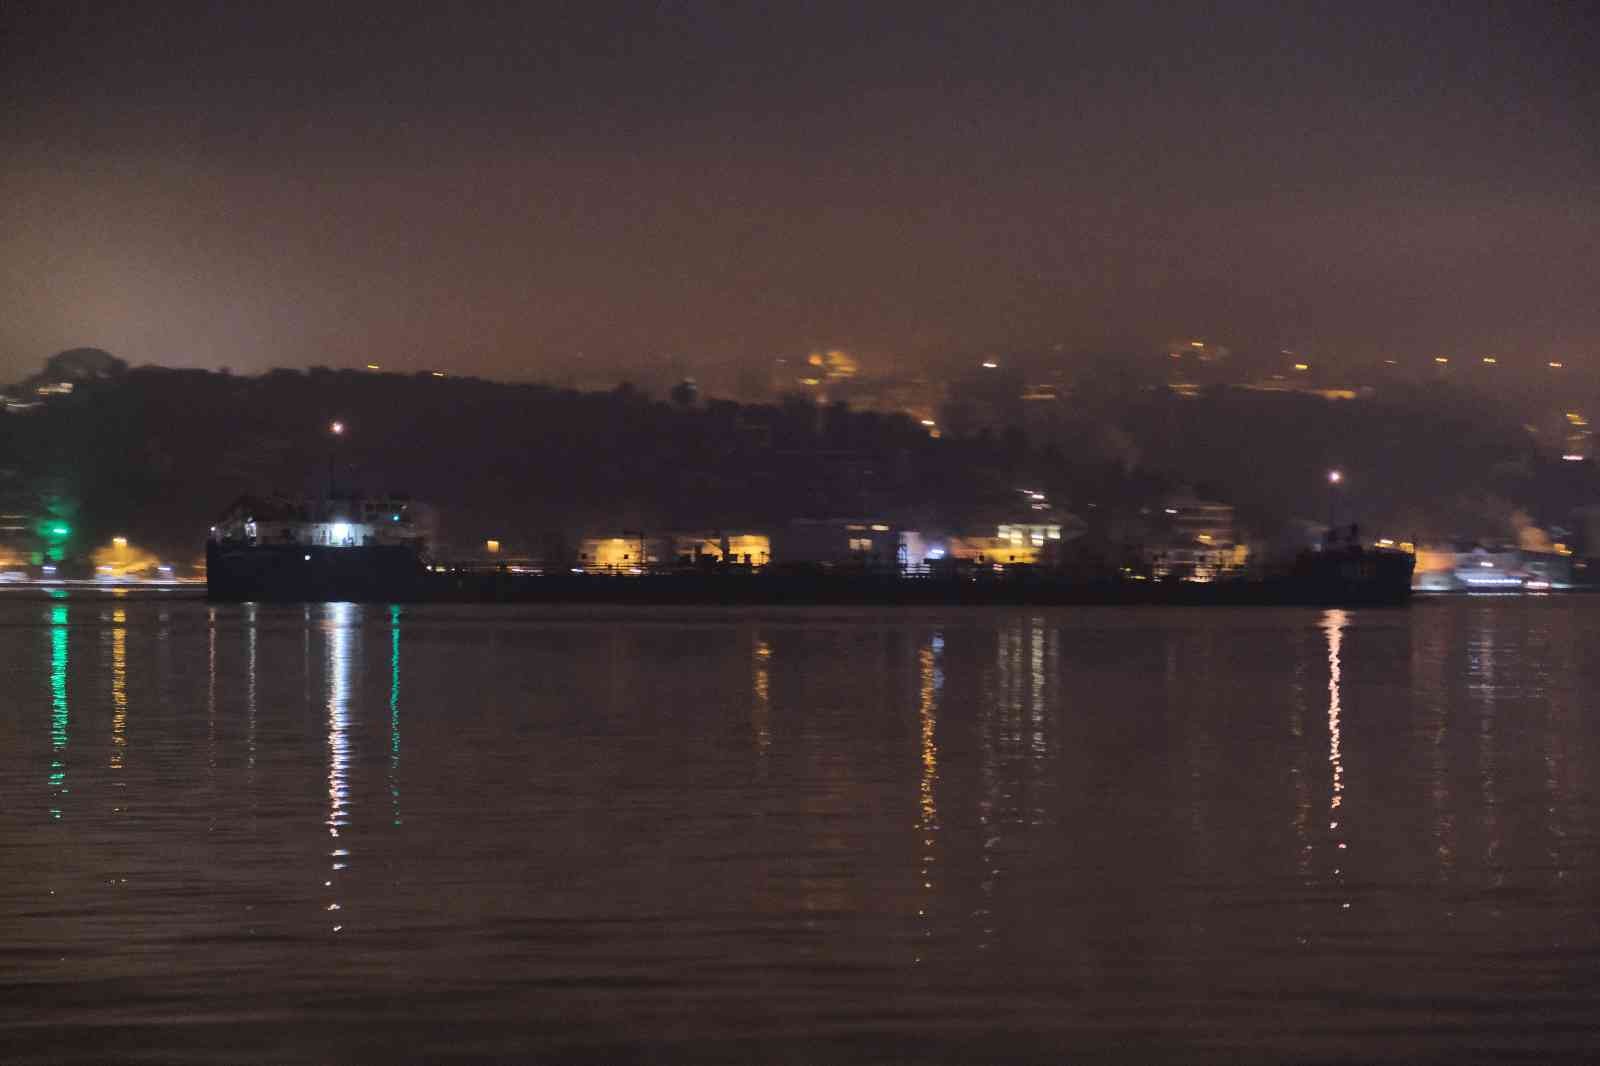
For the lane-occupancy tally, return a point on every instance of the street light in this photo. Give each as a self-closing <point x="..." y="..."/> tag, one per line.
<point x="1335" y="479"/>
<point x="336" y="428"/>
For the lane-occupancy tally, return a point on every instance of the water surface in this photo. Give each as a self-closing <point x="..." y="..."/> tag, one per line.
<point x="444" y="833"/>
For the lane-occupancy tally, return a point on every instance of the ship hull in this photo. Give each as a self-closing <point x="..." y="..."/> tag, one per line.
<point x="395" y="575"/>
<point x="295" y="573"/>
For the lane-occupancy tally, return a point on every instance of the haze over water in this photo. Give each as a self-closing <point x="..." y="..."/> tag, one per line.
<point x="362" y="834"/>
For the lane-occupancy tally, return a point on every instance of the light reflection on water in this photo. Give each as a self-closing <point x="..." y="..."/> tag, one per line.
<point x="931" y="680"/>
<point x="119" y="687"/>
<point x="685" y="836"/>
<point x="1333" y="623"/>
<point x="761" y="696"/>
<point x="394" y="712"/>
<point x="60" y="712"/>
<point x="342" y="626"/>
<point x="251" y="621"/>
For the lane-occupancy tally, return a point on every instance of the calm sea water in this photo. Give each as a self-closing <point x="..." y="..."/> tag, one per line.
<point x="371" y="834"/>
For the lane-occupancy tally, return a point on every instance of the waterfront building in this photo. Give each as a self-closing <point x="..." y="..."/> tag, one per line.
<point x="858" y="542"/>
<point x="634" y="550"/>
<point x="1194" y="539"/>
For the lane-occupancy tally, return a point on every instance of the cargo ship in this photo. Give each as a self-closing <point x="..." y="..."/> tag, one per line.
<point x="334" y="552"/>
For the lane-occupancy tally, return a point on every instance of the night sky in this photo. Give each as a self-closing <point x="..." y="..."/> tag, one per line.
<point x="529" y="193"/>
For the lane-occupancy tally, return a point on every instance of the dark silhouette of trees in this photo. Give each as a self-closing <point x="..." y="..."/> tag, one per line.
<point x="153" y="454"/>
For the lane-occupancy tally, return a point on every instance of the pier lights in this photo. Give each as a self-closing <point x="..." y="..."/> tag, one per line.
<point x="1335" y="479"/>
<point x="1335" y="476"/>
<point x="336" y="428"/>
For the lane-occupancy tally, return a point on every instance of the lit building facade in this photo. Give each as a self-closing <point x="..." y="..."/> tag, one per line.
<point x="1196" y="541"/>
<point x="635" y="551"/>
<point x="327" y="522"/>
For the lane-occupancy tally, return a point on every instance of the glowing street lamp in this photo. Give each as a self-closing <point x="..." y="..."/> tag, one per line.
<point x="336" y="428"/>
<point x="1335" y="476"/>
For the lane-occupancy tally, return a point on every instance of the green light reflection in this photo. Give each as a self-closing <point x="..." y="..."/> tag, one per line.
<point x="59" y="714"/>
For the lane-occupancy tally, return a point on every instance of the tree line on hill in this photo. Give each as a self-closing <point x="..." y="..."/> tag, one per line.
<point x="154" y="454"/>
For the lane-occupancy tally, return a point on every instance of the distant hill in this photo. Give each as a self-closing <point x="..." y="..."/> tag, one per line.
<point x="154" y="453"/>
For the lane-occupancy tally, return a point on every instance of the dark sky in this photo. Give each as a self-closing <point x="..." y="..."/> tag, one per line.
<point x="524" y="192"/>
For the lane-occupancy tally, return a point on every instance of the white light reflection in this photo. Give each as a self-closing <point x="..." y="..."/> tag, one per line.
<point x="250" y="689"/>
<point x="1000" y="733"/>
<point x="1333" y="624"/>
<point x="1481" y="652"/>
<point x="394" y="711"/>
<point x="1299" y="774"/>
<point x="1038" y="748"/>
<point x="1430" y="666"/>
<point x="342" y="630"/>
<point x="211" y="697"/>
<point x="1561" y="702"/>
<point x="930" y="661"/>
